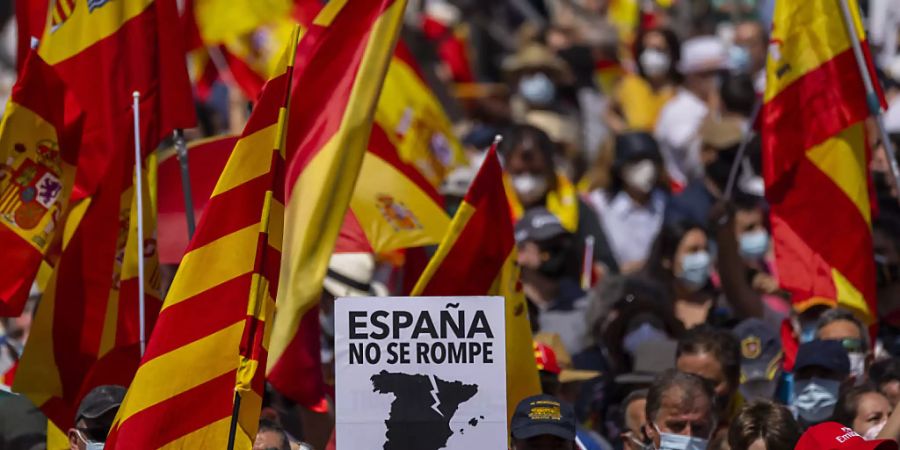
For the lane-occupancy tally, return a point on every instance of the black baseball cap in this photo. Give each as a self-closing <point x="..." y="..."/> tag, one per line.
<point x="538" y="225"/>
<point x="543" y="415"/>
<point x="101" y="400"/>
<point x="829" y="354"/>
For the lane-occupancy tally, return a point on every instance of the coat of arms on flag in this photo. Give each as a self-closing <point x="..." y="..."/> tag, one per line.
<point x="33" y="190"/>
<point x="397" y="214"/>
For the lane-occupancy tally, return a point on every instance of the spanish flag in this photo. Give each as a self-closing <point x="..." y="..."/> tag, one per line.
<point x="38" y="154"/>
<point x="415" y="121"/>
<point x="211" y="335"/>
<point x="478" y="257"/>
<point x="343" y="58"/>
<point x="816" y="157"/>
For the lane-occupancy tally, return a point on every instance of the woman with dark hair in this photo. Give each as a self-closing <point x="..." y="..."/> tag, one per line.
<point x="632" y="208"/>
<point x="533" y="181"/>
<point x="764" y="425"/>
<point x="681" y="261"/>
<point x="864" y="409"/>
<point x="638" y="98"/>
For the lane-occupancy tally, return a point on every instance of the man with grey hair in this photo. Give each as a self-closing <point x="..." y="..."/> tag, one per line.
<point x="680" y="411"/>
<point x="839" y="324"/>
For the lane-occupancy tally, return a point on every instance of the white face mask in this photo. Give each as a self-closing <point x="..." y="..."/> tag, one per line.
<point x="537" y="89"/>
<point x="872" y="433"/>
<point x="815" y="399"/>
<point x="669" y="441"/>
<point x="858" y="366"/>
<point x="529" y="188"/>
<point x="640" y="175"/>
<point x="654" y="62"/>
<point x="89" y="444"/>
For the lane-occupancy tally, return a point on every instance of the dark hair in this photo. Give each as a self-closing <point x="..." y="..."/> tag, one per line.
<point x="885" y="371"/>
<point x="738" y="94"/>
<point x="266" y="425"/>
<point x="848" y="404"/>
<point x="765" y="420"/>
<point x="690" y="383"/>
<point x="630" y="147"/>
<point x="664" y="249"/>
<point x="517" y="134"/>
<point x="838" y="314"/>
<point x="671" y="41"/>
<point x="719" y="343"/>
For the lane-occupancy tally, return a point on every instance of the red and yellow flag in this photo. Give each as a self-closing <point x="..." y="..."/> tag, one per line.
<point x="816" y="157"/>
<point x="343" y="58"/>
<point x="38" y="154"/>
<point x="478" y="257"/>
<point x="211" y="335"/>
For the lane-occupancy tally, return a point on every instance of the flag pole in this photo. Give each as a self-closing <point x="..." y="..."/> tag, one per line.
<point x="181" y="152"/>
<point x="139" y="196"/>
<point x="742" y="148"/>
<point x="872" y="99"/>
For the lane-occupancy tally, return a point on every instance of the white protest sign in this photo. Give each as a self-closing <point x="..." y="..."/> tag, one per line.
<point x="420" y="373"/>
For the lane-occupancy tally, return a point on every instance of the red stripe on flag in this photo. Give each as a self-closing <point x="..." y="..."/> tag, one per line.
<point x="15" y="285"/>
<point x="302" y="357"/>
<point x="178" y="325"/>
<point x="156" y="426"/>
<point x="381" y="146"/>
<point x="810" y="110"/>
<point x="232" y="210"/>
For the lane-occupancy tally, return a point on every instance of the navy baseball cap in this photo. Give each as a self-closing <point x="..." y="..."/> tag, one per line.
<point x="538" y="225"/>
<point x="828" y="354"/>
<point x="543" y="415"/>
<point x="99" y="401"/>
<point x="761" y="352"/>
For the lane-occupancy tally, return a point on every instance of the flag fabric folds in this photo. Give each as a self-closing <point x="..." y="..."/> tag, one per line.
<point x="38" y="154"/>
<point x="343" y="58"/>
<point x="816" y="156"/>
<point x="211" y="335"/>
<point x="478" y="257"/>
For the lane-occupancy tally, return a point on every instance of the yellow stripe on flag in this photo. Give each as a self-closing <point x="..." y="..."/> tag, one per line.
<point x="214" y="435"/>
<point x="463" y="214"/>
<point x="850" y="298"/>
<point x="843" y="159"/>
<point x="223" y="260"/>
<point x="246" y="156"/>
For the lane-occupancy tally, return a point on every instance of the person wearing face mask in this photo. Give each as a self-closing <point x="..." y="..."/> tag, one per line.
<point x="761" y="358"/>
<point x="637" y="98"/>
<point x="863" y="409"/>
<point x="680" y="412"/>
<point x="841" y="325"/>
<point x="703" y="59"/>
<point x="632" y="208"/>
<point x="821" y="370"/>
<point x="681" y="260"/>
<point x="549" y="276"/>
<point x="532" y="181"/>
<point x="751" y="38"/>
<point x="537" y="76"/>
<point x="94" y="417"/>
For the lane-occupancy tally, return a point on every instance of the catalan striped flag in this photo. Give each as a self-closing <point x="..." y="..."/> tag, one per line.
<point x="478" y="257"/>
<point x="211" y="335"/>
<point x="816" y="157"/>
<point x="343" y="58"/>
<point x="38" y="154"/>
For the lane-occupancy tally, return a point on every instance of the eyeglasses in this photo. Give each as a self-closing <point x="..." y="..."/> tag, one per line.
<point x="853" y="345"/>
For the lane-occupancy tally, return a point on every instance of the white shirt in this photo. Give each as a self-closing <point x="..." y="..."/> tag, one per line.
<point x="678" y="134"/>
<point x="630" y="227"/>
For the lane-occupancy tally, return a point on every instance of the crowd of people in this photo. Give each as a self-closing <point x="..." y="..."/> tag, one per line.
<point x="621" y="145"/>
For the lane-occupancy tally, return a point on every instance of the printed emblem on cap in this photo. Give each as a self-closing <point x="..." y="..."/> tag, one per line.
<point x="848" y="434"/>
<point x="751" y="347"/>
<point x="545" y="410"/>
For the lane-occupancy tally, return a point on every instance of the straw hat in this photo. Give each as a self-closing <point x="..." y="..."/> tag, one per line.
<point x="536" y="57"/>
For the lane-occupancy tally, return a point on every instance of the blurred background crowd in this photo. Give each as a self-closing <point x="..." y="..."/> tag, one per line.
<point x="621" y="122"/>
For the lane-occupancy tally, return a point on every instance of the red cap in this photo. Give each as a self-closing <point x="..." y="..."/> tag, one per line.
<point x="545" y="358"/>
<point x="834" y="436"/>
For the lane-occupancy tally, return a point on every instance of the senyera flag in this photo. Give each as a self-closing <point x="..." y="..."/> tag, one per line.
<point x="211" y="335"/>
<point x="341" y="64"/>
<point x="87" y="330"/>
<point x="816" y="157"/>
<point x="478" y="257"/>
<point x="38" y="154"/>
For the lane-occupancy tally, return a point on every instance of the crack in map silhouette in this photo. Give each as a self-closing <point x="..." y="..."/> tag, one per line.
<point x="420" y="418"/>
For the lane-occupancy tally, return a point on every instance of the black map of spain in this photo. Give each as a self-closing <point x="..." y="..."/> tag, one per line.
<point x="422" y="409"/>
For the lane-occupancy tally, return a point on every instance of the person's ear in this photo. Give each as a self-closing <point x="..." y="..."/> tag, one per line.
<point x="72" y="435"/>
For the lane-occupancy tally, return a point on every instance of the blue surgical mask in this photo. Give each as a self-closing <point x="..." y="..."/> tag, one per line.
<point x="537" y="89"/>
<point x="815" y="399"/>
<point x="669" y="441"/>
<point x="754" y="244"/>
<point x="645" y="332"/>
<point x="738" y="58"/>
<point x="695" y="269"/>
